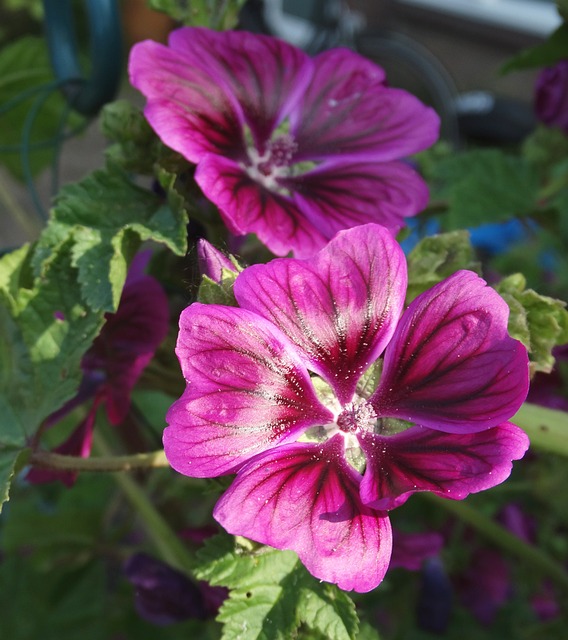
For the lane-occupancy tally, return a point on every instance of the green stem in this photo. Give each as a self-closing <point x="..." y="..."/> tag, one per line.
<point x="547" y="429"/>
<point x="170" y="547"/>
<point x="49" y="460"/>
<point x="497" y="534"/>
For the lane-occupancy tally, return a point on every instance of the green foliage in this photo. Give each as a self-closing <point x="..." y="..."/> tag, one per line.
<point x="272" y="596"/>
<point x="545" y="147"/>
<point x="216" y="14"/>
<point x="482" y="186"/>
<point x="538" y="321"/>
<point x="135" y="145"/>
<point x="26" y="78"/>
<point x="106" y="217"/>
<point x="211" y="292"/>
<point x="437" y="257"/>
<point x="46" y="329"/>
<point x="544" y="54"/>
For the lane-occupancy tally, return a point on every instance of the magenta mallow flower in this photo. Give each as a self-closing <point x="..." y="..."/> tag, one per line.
<point x="114" y="363"/>
<point x="289" y="147"/>
<point x="282" y="391"/>
<point x="551" y="96"/>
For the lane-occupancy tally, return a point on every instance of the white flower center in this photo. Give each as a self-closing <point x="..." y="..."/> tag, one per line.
<point x="274" y="163"/>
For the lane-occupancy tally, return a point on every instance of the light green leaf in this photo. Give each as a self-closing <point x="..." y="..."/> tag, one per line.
<point x="272" y="594"/>
<point x="107" y="217"/>
<point x="484" y="186"/>
<point x="437" y="257"/>
<point x="46" y="330"/>
<point x="538" y="321"/>
<point x="9" y="461"/>
<point x="546" y="428"/>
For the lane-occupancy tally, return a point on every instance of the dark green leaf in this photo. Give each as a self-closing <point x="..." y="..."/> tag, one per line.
<point x="272" y="595"/>
<point x="484" y="186"/>
<point x="25" y="70"/>
<point x="552" y="50"/>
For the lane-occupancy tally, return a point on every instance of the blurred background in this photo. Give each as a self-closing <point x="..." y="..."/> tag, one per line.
<point x="467" y="41"/>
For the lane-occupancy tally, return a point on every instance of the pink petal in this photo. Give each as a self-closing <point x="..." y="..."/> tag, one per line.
<point x="186" y="106"/>
<point x="348" y="110"/>
<point x="451" y="364"/>
<point x="340" y="308"/>
<point x="341" y="195"/>
<point x="248" y="207"/>
<point x="450" y="465"/>
<point x="265" y="75"/>
<point x="247" y="391"/>
<point x="304" y="497"/>
<point x="205" y="85"/>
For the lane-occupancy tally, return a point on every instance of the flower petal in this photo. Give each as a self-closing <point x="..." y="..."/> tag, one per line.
<point x="341" y="195"/>
<point x="187" y="106"/>
<point x="265" y="75"/>
<point x="248" y="207"/>
<point x="451" y="364"/>
<point x="204" y="86"/>
<point x="304" y="497"/>
<point x="340" y="308"/>
<point x="347" y="110"/>
<point x="78" y="444"/>
<point x="128" y="340"/>
<point x="450" y="465"/>
<point x="247" y="391"/>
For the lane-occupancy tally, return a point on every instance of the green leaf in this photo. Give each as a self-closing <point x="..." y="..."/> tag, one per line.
<point x="484" y="186"/>
<point x="107" y="217"/>
<point x="216" y="14"/>
<point x="553" y="49"/>
<point x="437" y="257"/>
<point x="135" y="145"/>
<point x="538" y="321"/>
<point x="272" y="595"/>
<point x="211" y="292"/>
<point x="9" y="462"/>
<point x="46" y="330"/>
<point x="545" y="147"/>
<point x="25" y="70"/>
<point x="546" y="428"/>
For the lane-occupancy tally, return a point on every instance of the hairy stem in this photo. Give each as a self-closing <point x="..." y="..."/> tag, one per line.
<point x="168" y="544"/>
<point x="547" y="429"/>
<point x="49" y="460"/>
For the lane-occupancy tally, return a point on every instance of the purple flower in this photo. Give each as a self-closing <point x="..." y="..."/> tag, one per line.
<point x="163" y="595"/>
<point x="551" y="96"/>
<point x="114" y="363"/>
<point x="280" y="391"/>
<point x="411" y="550"/>
<point x="289" y="147"/>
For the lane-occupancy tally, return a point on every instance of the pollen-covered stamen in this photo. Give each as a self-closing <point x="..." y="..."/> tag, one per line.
<point x="274" y="163"/>
<point x="357" y="415"/>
